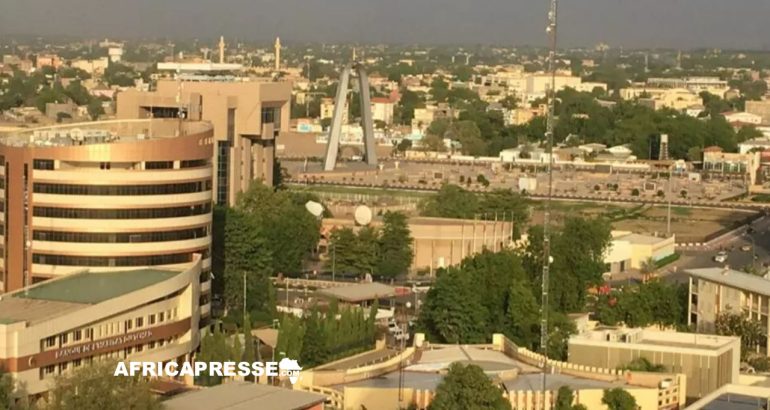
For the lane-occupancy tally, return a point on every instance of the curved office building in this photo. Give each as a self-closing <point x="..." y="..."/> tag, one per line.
<point x="110" y="195"/>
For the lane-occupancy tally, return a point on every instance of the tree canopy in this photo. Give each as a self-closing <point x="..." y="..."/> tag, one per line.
<point x="468" y="388"/>
<point x="94" y="387"/>
<point x="618" y="399"/>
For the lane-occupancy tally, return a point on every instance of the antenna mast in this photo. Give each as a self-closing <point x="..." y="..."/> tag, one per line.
<point x="551" y="30"/>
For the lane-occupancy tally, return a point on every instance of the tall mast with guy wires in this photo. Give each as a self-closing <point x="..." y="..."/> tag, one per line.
<point x="551" y="95"/>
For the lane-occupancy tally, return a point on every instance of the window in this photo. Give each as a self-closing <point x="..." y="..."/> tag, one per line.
<point x="151" y="260"/>
<point x="104" y="165"/>
<point x="161" y="317"/>
<point x="151" y="319"/>
<point x="76" y="363"/>
<point x="151" y="345"/>
<point x="127" y="351"/>
<point x="63" y="339"/>
<point x="122" y="190"/>
<point x="118" y="237"/>
<point x="127" y="325"/>
<point x="151" y="213"/>
<point x="77" y="336"/>
<point x="90" y="333"/>
<point x="46" y="164"/>
<point x="63" y="367"/>
<point x="50" y="341"/>
<point x="139" y="322"/>
<point x="194" y="163"/>
<point x="47" y="370"/>
<point x="159" y="165"/>
<point x="223" y="171"/>
<point x="139" y="348"/>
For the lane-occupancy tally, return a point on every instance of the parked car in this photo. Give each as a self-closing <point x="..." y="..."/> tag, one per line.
<point x="746" y="248"/>
<point x="400" y="335"/>
<point x="393" y="327"/>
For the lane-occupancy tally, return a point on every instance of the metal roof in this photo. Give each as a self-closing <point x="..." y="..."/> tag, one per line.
<point x="733" y="278"/>
<point x="243" y="396"/>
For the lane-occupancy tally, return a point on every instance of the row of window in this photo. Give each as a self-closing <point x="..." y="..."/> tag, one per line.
<point x="148" y="260"/>
<point x="107" y="329"/>
<point x="194" y="163"/>
<point x="50" y="370"/>
<point x="159" y="165"/>
<point x="47" y="164"/>
<point x="88" y="237"/>
<point x="122" y="190"/>
<point x="150" y="213"/>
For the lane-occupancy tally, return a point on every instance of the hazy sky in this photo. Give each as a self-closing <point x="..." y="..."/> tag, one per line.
<point x="628" y="23"/>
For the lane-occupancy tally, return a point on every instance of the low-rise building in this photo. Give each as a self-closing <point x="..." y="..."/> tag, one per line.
<point x="244" y="396"/>
<point x="630" y="250"/>
<point x="56" y="326"/>
<point x="761" y="108"/>
<point x="742" y="118"/>
<point x="709" y="361"/>
<point x="716" y="161"/>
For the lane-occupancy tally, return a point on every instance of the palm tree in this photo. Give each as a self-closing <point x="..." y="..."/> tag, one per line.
<point x="647" y="269"/>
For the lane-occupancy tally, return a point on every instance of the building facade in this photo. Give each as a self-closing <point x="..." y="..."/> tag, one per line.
<point x="60" y="325"/>
<point x="106" y="195"/>
<point x="708" y="361"/>
<point x="714" y="291"/>
<point x="247" y="117"/>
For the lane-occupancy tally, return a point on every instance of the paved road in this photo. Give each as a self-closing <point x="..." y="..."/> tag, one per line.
<point x="737" y="259"/>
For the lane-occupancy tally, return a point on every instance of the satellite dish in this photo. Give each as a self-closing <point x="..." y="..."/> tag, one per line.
<point x="314" y="208"/>
<point x="363" y="215"/>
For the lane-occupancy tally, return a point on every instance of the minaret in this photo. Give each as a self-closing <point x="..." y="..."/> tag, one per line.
<point x="277" y="54"/>
<point x="221" y="50"/>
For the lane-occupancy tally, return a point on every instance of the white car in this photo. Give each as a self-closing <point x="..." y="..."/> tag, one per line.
<point x="721" y="257"/>
<point x="401" y="335"/>
<point x="393" y="328"/>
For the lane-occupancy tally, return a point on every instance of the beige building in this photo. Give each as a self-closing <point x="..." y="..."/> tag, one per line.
<point x="760" y="108"/>
<point x="372" y="380"/>
<point x="247" y="117"/>
<point x="440" y="242"/>
<point x="108" y="195"/>
<point x="630" y="250"/>
<point x="716" y="161"/>
<point x="55" y="327"/>
<point x="708" y="361"/>
<point x="679" y="99"/>
<point x="714" y="291"/>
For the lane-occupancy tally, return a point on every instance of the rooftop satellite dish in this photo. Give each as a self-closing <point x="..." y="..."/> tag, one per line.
<point x="314" y="208"/>
<point x="363" y="215"/>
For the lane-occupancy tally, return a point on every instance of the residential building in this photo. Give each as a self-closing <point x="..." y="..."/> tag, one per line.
<point x="247" y="117"/>
<point x="760" y="144"/>
<point x="538" y="84"/>
<point x="742" y="118"/>
<point x="327" y="110"/>
<point x="714" y="291"/>
<point x="708" y="361"/>
<point x="51" y="60"/>
<point x="245" y="396"/>
<point x="52" y="328"/>
<point x="629" y="250"/>
<point x="93" y="67"/>
<point x="761" y="108"/>
<point x="423" y="117"/>
<point x="109" y="195"/>
<point x="382" y="109"/>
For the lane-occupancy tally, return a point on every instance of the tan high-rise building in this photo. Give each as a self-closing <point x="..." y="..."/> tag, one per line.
<point x="109" y="196"/>
<point x="247" y="117"/>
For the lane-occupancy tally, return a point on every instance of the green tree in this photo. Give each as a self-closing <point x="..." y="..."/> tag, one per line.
<point x="619" y="399"/>
<point x="451" y="201"/>
<point x="95" y="109"/>
<point x="642" y="364"/>
<point x="433" y="143"/>
<point x="468" y="134"/>
<point x="468" y="388"/>
<point x="735" y="324"/>
<point x="564" y="399"/>
<point x="6" y="389"/>
<point x="395" y="246"/>
<point x="452" y="312"/>
<point x="439" y="127"/>
<point x="93" y="387"/>
<point x="248" y="341"/>
<point x="247" y="254"/>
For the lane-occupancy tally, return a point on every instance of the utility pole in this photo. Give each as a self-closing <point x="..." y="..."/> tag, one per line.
<point x="551" y="30"/>
<point x="668" y="216"/>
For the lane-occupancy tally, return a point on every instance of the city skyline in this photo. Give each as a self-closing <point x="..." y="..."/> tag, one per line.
<point x="657" y="23"/>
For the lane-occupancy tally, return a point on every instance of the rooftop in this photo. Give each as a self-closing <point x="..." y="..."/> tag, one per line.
<point x="633" y="337"/>
<point x="734" y="397"/>
<point x="360" y="292"/>
<point x="70" y="293"/>
<point x="733" y="278"/>
<point x="243" y="396"/>
<point x="99" y="132"/>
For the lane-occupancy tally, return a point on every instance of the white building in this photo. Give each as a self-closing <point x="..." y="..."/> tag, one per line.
<point x="742" y="118"/>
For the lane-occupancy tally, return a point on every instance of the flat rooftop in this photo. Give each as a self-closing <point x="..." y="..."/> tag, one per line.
<point x="70" y="293"/>
<point x="99" y="132"/>
<point x="733" y="278"/>
<point x="244" y="396"/>
<point x="633" y="337"/>
<point x="359" y="292"/>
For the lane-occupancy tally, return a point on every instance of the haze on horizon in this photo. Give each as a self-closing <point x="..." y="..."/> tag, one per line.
<point x="737" y="24"/>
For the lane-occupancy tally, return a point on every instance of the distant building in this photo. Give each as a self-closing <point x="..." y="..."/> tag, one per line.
<point x="716" y="161"/>
<point x="708" y="361"/>
<point x="714" y="291"/>
<point x="51" y="60"/>
<point x="734" y="397"/>
<point x="742" y="118"/>
<point x="382" y="109"/>
<point x="760" y="108"/>
<point x="247" y="117"/>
